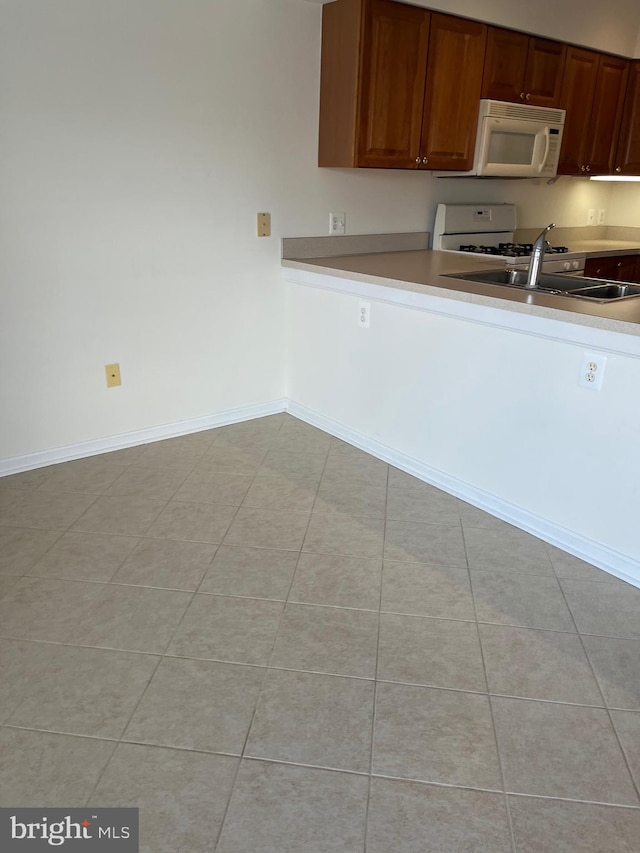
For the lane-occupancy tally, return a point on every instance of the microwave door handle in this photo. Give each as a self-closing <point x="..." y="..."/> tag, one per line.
<point x="547" y="140"/>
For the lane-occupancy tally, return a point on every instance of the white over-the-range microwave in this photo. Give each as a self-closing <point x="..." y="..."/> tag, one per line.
<point x="515" y="141"/>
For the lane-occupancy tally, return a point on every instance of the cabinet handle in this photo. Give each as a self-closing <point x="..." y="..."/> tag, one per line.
<point x="619" y="264"/>
<point x="425" y="160"/>
<point x="522" y="96"/>
<point x="528" y="95"/>
<point x="618" y="168"/>
<point x="417" y="160"/>
<point x="583" y="169"/>
<point x="588" y="168"/>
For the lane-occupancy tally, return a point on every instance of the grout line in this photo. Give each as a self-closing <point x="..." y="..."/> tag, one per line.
<point x="491" y="715"/>
<point x="634" y="783"/>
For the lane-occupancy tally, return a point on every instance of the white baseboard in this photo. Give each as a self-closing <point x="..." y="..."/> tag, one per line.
<point x="143" y="436"/>
<point x="613" y="562"/>
<point x="605" y="558"/>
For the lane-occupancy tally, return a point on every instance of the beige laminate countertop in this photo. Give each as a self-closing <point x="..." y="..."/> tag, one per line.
<point x="423" y="271"/>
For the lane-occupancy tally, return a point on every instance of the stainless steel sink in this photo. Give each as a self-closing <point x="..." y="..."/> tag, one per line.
<point x="555" y="283"/>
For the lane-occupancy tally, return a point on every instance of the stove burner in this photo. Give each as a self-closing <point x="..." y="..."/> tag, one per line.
<point x="510" y="250"/>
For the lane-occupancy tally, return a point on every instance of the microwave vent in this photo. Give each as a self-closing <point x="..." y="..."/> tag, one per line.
<point x="503" y="109"/>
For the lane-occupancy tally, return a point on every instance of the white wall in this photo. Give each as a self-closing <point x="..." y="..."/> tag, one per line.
<point x="625" y="204"/>
<point x="492" y="414"/>
<point x="139" y="140"/>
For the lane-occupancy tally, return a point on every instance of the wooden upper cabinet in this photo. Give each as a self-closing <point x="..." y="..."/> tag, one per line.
<point x="593" y="96"/>
<point x="606" y="114"/>
<point x="578" y="91"/>
<point x="521" y="69"/>
<point x="453" y="88"/>
<point x="545" y="69"/>
<point x="627" y="161"/>
<point x="393" y="69"/>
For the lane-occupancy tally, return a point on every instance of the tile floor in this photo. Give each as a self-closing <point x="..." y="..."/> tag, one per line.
<point x="271" y="641"/>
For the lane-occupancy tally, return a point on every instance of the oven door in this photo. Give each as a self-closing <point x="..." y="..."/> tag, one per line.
<point x="515" y="148"/>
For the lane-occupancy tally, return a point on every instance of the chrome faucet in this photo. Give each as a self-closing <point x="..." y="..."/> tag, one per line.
<point x="537" y="254"/>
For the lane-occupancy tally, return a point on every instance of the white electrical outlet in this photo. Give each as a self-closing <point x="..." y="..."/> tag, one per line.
<point x="337" y="223"/>
<point x="592" y="370"/>
<point x="591" y="216"/>
<point x="601" y="215"/>
<point x="364" y="314"/>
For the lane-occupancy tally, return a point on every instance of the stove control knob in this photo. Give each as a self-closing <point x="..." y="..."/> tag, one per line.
<point x="566" y="265"/>
<point x="575" y="265"/>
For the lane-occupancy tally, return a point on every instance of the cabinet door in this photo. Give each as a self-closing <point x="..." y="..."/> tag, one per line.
<point x="606" y="268"/>
<point x="578" y="90"/>
<point x="606" y="114"/>
<point x="627" y="160"/>
<point x="626" y="267"/>
<point x="505" y="62"/>
<point x="454" y="82"/>
<point x="394" y="63"/>
<point x="544" y="72"/>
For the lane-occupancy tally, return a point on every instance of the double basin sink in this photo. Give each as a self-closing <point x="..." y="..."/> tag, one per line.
<point x="594" y="289"/>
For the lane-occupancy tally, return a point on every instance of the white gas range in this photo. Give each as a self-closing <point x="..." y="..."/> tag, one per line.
<point x="488" y="230"/>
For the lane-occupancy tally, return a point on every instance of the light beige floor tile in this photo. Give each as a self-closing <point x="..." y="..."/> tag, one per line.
<point x="427" y="590"/>
<point x="166" y="563"/>
<point x="354" y="467"/>
<point x="338" y="581"/>
<point x="130" y="618"/>
<point x="22" y="664"/>
<point x="538" y="665"/>
<point x="238" y="630"/>
<point x="85" y="692"/>
<point x="40" y="769"/>
<point x="46" y="609"/>
<point x="435" y="736"/>
<point x="540" y="825"/>
<point x="346" y="535"/>
<point x="21" y="548"/>
<point x="401" y="480"/>
<point x="268" y="528"/>
<point x="182" y="796"/>
<point x="327" y="639"/>
<point x="567" y="566"/>
<point x="351" y="499"/>
<point x="206" y="486"/>
<point x="627" y="726"/>
<point x="252" y="572"/>
<point x="528" y="601"/>
<point x="49" y="510"/>
<point x="81" y="475"/>
<point x="471" y="516"/>
<point x="611" y="610"/>
<point x="416" y="818"/>
<point x="422" y="505"/>
<point x="124" y="457"/>
<point x="160" y="484"/>
<point x="26" y="479"/>
<point x="85" y="556"/>
<point x="424" y="543"/>
<point x="236" y="460"/>
<point x="561" y="751"/>
<point x="276" y="808"/>
<point x="182" y="452"/>
<point x="616" y="664"/>
<point x="320" y="720"/>
<point x="193" y="522"/>
<point x="197" y="704"/>
<point x="294" y="440"/>
<point x="294" y="466"/>
<point x="124" y="515"/>
<point x="506" y="551"/>
<point x="280" y="492"/>
<point x="434" y="652"/>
